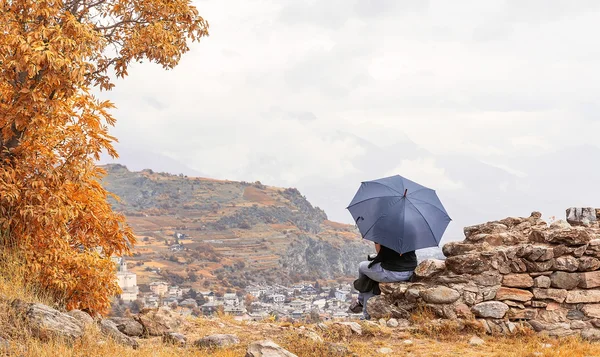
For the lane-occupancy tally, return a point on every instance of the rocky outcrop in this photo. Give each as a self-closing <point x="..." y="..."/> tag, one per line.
<point x="46" y="322"/>
<point x="216" y="341"/>
<point x="518" y="270"/>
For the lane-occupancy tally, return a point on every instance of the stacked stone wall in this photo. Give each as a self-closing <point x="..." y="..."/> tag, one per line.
<point x="519" y="270"/>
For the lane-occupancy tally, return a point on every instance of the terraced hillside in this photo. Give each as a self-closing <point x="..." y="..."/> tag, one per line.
<point x="197" y="231"/>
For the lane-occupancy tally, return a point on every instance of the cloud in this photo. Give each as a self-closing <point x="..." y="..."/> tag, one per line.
<point x="425" y="172"/>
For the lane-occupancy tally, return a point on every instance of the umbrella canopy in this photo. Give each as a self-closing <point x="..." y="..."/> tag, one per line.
<point x="399" y="214"/>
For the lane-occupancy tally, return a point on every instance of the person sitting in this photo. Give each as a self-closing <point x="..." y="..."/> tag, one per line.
<point x="388" y="266"/>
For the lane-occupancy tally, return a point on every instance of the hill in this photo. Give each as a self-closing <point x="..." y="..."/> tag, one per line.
<point x="197" y="231"/>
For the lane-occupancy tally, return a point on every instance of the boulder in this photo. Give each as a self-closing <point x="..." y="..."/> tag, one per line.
<point x="110" y="330"/>
<point x="581" y="216"/>
<point x="566" y="263"/>
<point x="173" y="338"/>
<point x="269" y="348"/>
<point x="522" y="314"/>
<point x="492" y="309"/>
<point x="563" y="280"/>
<point x="558" y="295"/>
<point x="83" y="317"/>
<point x="591" y="310"/>
<point x="591" y="334"/>
<point x="513" y="294"/>
<point x="353" y="327"/>
<point x="588" y="264"/>
<point x="46" y="322"/>
<point x="589" y="280"/>
<point x="457" y="248"/>
<point x="570" y="236"/>
<point x="467" y="264"/>
<point x="440" y="295"/>
<point x="542" y="281"/>
<point x="517" y="281"/>
<point x="488" y="278"/>
<point x="583" y="296"/>
<point x="217" y="341"/>
<point x="128" y="326"/>
<point x="157" y="322"/>
<point x="429" y="268"/>
<point x="476" y="341"/>
<point x="380" y="307"/>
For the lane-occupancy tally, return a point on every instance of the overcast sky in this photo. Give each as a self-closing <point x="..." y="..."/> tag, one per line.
<point x="293" y="92"/>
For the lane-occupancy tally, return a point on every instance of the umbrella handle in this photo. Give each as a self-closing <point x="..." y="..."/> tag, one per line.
<point x="405" y="191"/>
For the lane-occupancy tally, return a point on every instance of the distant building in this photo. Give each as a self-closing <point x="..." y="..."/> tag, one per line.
<point x="159" y="287"/>
<point x="175" y="291"/>
<point x="127" y="282"/>
<point x="231" y="299"/>
<point x="277" y="298"/>
<point x="211" y="307"/>
<point x="342" y="294"/>
<point x="208" y="296"/>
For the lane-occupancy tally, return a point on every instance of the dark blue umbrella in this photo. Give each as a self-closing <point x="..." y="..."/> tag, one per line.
<point x="399" y="214"/>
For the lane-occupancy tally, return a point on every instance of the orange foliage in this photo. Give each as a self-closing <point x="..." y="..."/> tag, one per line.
<point x="53" y="210"/>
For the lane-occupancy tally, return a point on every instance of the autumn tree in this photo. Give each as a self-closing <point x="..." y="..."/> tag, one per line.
<point x="53" y="55"/>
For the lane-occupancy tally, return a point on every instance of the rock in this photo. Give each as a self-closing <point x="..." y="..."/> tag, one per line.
<point x="407" y="342"/>
<point x="580" y="325"/>
<point x="382" y="322"/>
<point x="569" y="236"/>
<point x="467" y="264"/>
<point x="353" y="327"/>
<point x="533" y="267"/>
<point x="562" y="280"/>
<point x="560" y="224"/>
<point x="488" y="279"/>
<point x="83" y="317"/>
<point x="217" y="341"/>
<point x="156" y="322"/>
<point x="566" y="263"/>
<point x="591" y="310"/>
<point x="46" y="322"/>
<point x="555" y="315"/>
<point x="561" y="250"/>
<point x="581" y="216"/>
<point x="269" y="348"/>
<point x="392" y="323"/>
<point x="463" y="311"/>
<point x="379" y="307"/>
<point x="333" y="349"/>
<point x="579" y="251"/>
<point x="574" y="314"/>
<point x="385" y="350"/>
<point x="314" y="336"/>
<point x="429" y="268"/>
<point x="591" y="334"/>
<point x="583" y="296"/>
<point x="476" y="341"/>
<point x="558" y="295"/>
<point x="517" y="281"/>
<point x="588" y="264"/>
<point x="493" y="309"/>
<point x="522" y="314"/>
<point x="110" y="330"/>
<point x="173" y="338"/>
<point x="440" y="295"/>
<point x="513" y="294"/>
<point x="589" y="280"/>
<point x="457" y="248"/>
<point x="128" y="326"/>
<point x="540" y="253"/>
<point x="486" y="228"/>
<point x="542" y="282"/>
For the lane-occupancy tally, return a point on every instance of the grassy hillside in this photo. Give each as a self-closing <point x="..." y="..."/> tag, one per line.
<point x="233" y="232"/>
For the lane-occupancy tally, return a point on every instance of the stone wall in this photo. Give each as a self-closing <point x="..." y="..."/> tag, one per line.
<point x="516" y="270"/>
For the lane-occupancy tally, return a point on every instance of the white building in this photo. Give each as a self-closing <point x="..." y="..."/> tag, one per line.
<point x="159" y="287"/>
<point x="175" y="291"/>
<point x="231" y="299"/>
<point x="277" y="298"/>
<point x="341" y="294"/>
<point x="127" y="282"/>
